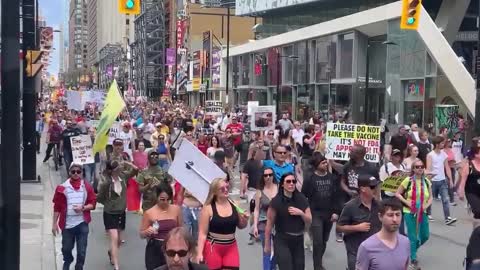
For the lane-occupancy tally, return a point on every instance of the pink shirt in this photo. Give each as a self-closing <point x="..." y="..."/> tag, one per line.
<point x="140" y="159"/>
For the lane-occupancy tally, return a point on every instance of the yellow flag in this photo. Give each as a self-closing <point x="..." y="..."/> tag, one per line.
<point x="112" y="107"/>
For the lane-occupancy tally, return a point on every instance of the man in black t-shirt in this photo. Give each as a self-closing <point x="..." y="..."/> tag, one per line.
<point x="355" y="167"/>
<point x="307" y="151"/>
<point x="65" y="145"/>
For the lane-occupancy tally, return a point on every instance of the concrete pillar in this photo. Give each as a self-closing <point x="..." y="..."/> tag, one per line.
<point x="450" y="17"/>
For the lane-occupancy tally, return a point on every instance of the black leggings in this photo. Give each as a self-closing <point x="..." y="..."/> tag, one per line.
<point x="154" y="254"/>
<point x="473" y="200"/>
<point x="289" y="251"/>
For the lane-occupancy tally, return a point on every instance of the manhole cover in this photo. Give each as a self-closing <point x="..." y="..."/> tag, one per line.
<point x="26" y="225"/>
<point x="31" y="216"/>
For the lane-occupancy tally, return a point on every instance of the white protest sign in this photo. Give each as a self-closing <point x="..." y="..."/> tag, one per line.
<point x="82" y="150"/>
<point x="251" y="105"/>
<point x="263" y="118"/>
<point x="75" y="100"/>
<point x="114" y="132"/>
<point x="213" y="107"/>
<point x="342" y="137"/>
<point x="97" y="97"/>
<point x="194" y="170"/>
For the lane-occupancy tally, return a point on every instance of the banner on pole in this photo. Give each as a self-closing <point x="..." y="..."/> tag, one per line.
<point x="82" y="149"/>
<point x="342" y="137"/>
<point x="213" y="107"/>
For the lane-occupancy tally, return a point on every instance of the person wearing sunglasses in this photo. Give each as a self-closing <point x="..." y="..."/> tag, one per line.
<point x="322" y="190"/>
<point x="279" y="165"/>
<point x="359" y="218"/>
<point x="415" y="193"/>
<point x="218" y="222"/>
<point x="178" y="250"/>
<point x="157" y="223"/>
<point x="267" y="190"/>
<point x="290" y="213"/>
<point x="112" y="193"/>
<point x="149" y="178"/>
<point x="73" y="201"/>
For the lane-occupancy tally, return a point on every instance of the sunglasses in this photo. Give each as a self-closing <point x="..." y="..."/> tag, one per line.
<point x="291" y="181"/>
<point x="268" y="175"/>
<point x="281" y="153"/>
<point x="154" y="155"/>
<point x="224" y="189"/>
<point x="172" y="253"/>
<point x="118" y="144"/>
<point x="373" y="187"/>
<point x="270" y="133"/>
<point x="161" y="138"/>
<point x="419" y="167"/>
<point x="76" y="172"/>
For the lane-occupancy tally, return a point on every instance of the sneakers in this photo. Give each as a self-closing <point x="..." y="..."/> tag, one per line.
<point x="414" y="265"/>
<point x="453" y="204"/>
<point x="450" y="221"/>
<point x="430" y="218"/>
<point x="251" y="241"/>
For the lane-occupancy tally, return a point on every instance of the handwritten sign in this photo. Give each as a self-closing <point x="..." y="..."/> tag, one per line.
<point x="114" y="132"/>
<point x="342" y="137"/>
<point x="213" y="107"/>
<point x="82" y="150"/>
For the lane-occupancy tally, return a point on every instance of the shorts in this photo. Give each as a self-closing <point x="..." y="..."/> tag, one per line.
<point x="238" y="148"/>
<point x="114" y="221"/>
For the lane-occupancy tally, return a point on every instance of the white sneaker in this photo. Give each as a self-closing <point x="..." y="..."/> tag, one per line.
<point x="430" y="218"/>
<point x="450" y="221"/>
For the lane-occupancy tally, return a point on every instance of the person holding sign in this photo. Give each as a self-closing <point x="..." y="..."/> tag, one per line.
<point x="354" y="168"/>
<point x="394" y="168"/>
<point x="217" y="225"/>
<point x="415" y="193"/>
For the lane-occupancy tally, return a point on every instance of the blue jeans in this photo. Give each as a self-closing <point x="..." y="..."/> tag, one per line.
<point x="78" y="234"/>
<point x="441" y="187"/>
<point x="268" y="264"/>
<point x="164" y="164"/>
<point x="475" y="266"/>
<point x="68" y="158"/>
<point x="190" y="219"/>
<point x="90" y="173"/>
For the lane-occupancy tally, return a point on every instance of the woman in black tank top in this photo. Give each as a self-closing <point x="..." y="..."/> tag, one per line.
<point x="217" y="225"/>
<point x="470" y="184"/>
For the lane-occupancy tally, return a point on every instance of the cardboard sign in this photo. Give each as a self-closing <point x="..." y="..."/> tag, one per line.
<point x="263" y="118"/>
<point x="392" y="183"/>
<point x="342" y="137"/>
<point x="213" y="107"/>
<point x="114" y="132"/>
<point x="194" y="170"/>
<point x="82" y="149"/>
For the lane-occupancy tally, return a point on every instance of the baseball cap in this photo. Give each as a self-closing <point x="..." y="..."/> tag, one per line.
<point x="396" y="152"/>
<point x="158" y="124"/>
<point x="366" y="180"/>
<point x="153" y="151"/>
<point x="117" y="141"/>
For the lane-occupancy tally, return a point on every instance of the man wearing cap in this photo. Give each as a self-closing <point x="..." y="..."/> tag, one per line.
<point x="118" y="154"/>
<point x="161" y="129"/>
<point x="149" y="178"/>
<point x="400" y="140"/>
<point x="359" y="218"/>
<point x="393" y="168"/>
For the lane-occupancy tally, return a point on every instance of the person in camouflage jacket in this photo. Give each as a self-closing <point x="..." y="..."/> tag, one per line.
<point x="149" y="178"/>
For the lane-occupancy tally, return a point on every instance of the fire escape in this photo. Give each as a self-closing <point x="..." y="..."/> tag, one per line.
<point x="149" y="49"/>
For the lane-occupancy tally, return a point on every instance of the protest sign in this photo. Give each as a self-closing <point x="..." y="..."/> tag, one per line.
<point x="391" y="183"/>
<point x="194" y="170"/>
<point x="263" y="118"/>
<point x="213" y="107"/>
<point x="82" y="150"/>
<point x="342" y="137"/>
<point x="251" y="105"/>
<point x="75" y="100"/>
<point x="114" y="132"/>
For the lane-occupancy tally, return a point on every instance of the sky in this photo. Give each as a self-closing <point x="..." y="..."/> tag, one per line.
<point x="51" y="10"/>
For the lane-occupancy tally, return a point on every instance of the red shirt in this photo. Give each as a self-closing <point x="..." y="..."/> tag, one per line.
<point x="203" y="147"/>
<point x="60" y="201"/>
<point x="236" y="128"/>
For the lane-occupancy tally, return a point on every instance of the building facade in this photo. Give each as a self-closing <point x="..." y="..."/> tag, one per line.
<point x="351" y="59"/>
<point x="78" y="41"/>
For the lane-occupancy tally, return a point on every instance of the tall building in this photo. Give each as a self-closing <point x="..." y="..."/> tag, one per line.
<point x="108" y="29"/>
<point x="351" y="59"/>
<point x="78" y="41"/>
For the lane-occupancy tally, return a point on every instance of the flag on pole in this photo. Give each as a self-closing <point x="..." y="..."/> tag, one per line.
<point x="114" y="104"/>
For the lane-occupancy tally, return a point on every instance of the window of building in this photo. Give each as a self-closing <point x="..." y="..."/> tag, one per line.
<point x="287" y="64"/>
<point x="346" y="55"/>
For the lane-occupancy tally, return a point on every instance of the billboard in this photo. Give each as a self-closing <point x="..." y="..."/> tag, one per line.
<point x="247" y="7"/>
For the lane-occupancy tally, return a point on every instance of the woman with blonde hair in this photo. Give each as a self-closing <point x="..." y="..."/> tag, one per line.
<point x="218" y="221"/>
<point x="412" y="156"/>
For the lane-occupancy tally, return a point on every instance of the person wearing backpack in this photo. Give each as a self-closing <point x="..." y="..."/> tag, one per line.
<point x="415" y="193"/>
<point x="393" y="168"/>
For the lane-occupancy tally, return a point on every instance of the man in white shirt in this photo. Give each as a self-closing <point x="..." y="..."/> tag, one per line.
<point x="437" y="166"/>
<point x="298" y="133"/>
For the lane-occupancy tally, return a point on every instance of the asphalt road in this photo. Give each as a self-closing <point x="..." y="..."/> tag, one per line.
<point x="444" y="250"/>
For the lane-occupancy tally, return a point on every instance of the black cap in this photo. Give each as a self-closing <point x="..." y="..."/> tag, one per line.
<point x="396" y="152"/>
<point x="366" y="180"/>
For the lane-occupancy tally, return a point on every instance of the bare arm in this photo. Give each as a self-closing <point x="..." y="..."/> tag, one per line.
<point x="448" y="172"/>
<point x="399" y="195"/>
<point x="203" y="229"/>
<point x="463" y="179"/>
<point x="256" y="212"/>
<point x="307" y="218"/>
<point x="271" y="215"/>
<point x="243" y="183"/>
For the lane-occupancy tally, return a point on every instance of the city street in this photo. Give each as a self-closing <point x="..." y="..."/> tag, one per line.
<point x="444" y="240"/>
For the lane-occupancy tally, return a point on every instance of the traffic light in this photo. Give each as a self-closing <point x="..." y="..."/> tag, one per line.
<point x="129" y="7"/>
<point x="31" y="66"/>
<point x="410" y="14"/>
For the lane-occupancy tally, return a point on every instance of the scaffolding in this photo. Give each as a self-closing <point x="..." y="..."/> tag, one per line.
<point x="149" y="49"/>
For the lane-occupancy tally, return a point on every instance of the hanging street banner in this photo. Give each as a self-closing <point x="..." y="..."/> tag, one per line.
<point x="446" y="116"/>
<point x="213" y="107"/>
<point x="82" y="149"/>
<point x="216" y="60"/>
<point x="342" y="137"/>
